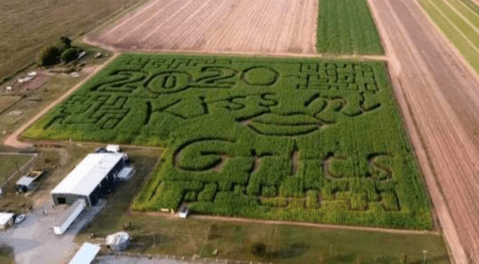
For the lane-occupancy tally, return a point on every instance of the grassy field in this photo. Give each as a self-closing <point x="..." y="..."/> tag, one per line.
<point x="7" y="101"/>
<point x="460" y="23"/>
<point x="285" y="244"/>
<point x="346" y="27"/>
<point x="28" y="25"/>
<point x="291" y="139"/>
<point x="54" y="87"/>
<point x="6" y="255"/>
<point x="9" y="164"/>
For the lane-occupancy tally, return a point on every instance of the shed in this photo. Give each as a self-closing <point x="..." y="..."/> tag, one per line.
<point x="113" y="148"/>
<point x="6" y="220"/>
<point x="25" y="184"/>
<point x="90" y="179"/>
<point x="86" y="254"/>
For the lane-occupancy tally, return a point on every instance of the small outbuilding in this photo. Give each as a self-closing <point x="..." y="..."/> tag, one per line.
<point x="25" y="184"/>
<point x="113" y="148"/>
<point x="118" y="241"/>
<point x="6" y="220"/>
<point x="90" y="179"/>
<point x="86" y="254"/>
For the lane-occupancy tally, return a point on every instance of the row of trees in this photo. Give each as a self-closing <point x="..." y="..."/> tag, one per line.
<point x="61" y="51"/>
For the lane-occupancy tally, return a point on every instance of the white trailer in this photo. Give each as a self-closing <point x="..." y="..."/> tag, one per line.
<point x="66" y="219"/>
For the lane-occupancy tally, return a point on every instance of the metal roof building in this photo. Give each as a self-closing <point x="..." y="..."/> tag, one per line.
<point x="86" y="254"/>
<point x="89" y="179"/>
<point x="6" y="220"/>
<point x="25" y="184"/>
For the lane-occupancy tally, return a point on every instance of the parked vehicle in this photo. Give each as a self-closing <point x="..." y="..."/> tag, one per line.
<point x="184" y="211"/>
<point x="19" y="218"/>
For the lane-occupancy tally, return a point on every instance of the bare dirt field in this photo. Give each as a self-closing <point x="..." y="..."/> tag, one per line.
<point x="270" y="26"/>
<point x="439" y="98"/>
<point x="26" y="26"/>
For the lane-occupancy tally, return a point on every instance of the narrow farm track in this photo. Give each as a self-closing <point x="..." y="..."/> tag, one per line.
<point x="282" y="222"/>
<point x="439" y="97"/>
<point x="271" y="26"/>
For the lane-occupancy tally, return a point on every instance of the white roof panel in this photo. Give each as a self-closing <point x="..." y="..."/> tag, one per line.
<point x="5" y="217"/>
<point x="86" y="176"/>
<point x="25" y="181"/>
<point x="86" y="254"/>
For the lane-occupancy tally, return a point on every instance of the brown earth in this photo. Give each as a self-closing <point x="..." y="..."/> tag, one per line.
<point x="12" y="140"/>
<point x="282" y="26"/>
<point x="439" y="97"/>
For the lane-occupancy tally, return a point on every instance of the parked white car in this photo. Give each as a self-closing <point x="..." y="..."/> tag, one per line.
<point x="19" y="218"/>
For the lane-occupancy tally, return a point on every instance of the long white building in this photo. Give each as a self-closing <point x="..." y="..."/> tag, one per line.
<point x="90" y="179"/>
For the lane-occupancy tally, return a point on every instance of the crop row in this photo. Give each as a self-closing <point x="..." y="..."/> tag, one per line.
<point x="346" y="27"/>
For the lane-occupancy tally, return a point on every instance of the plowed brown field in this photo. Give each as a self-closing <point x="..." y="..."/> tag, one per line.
<point x="439" y="96"/>
<point x="271" y="26"/>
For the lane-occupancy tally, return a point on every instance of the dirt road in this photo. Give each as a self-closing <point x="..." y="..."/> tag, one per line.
<point x="217" y="26"/>
<point x="12" y="140"/>
<point x="439" y="98"/>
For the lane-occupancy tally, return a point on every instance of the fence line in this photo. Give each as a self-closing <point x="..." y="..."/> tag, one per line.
<point x="22" y="168"/>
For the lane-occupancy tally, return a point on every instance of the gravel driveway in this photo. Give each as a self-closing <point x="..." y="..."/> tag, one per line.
<point x="34" y="242"/>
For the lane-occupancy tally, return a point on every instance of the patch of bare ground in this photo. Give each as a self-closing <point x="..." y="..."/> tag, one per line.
<point x="271" y="26"/>
<point x="438" y="96"/>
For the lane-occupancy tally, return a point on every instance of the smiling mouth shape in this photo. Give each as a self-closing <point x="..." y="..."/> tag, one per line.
<point x="284" y="125"/>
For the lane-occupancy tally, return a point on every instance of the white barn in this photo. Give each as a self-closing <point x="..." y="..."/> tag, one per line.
<point x="92" y="177"/>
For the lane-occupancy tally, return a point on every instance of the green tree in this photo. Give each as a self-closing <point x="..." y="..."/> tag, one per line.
<point x="63" y="44"/>
<point x="69" y="55"/>
<point x="48" y="56"/>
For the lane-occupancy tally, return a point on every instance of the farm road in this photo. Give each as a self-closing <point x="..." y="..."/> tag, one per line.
<point x="438" y="95"/>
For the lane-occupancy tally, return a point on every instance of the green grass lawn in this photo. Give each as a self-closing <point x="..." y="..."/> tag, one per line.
<point x="289" y="139"/>
<point x="460" y="41"/>
<point x="347" y="27"/>
<point x="6" y="255"/>
<point x="9" y="163"/>
<point x="7" y="101"/>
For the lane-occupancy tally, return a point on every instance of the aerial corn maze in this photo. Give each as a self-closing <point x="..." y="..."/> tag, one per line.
<point x="288" y="139"/>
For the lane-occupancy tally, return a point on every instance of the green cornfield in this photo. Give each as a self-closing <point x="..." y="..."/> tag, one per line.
<point x="289" y="139"/>
<point x="347" y="27"/>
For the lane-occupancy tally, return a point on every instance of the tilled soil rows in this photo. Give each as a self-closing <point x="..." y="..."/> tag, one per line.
<point x="273" y="26"/>
<point x="440" y="100"/>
